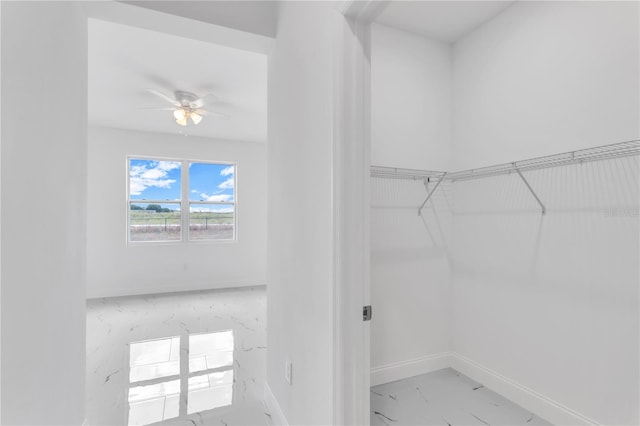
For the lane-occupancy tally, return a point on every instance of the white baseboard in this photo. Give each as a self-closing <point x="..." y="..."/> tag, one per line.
<point x="276" y="416"/>
<point x="180" y="287"/>
<point x="413" y="367"/>
<point x="529" y="399"/>
<point x="544" y="407"/>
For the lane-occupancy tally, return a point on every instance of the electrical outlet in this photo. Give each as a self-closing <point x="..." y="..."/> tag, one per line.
<point x="288" y="370"/>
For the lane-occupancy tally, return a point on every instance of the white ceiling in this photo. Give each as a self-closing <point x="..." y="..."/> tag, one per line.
<point x="124" y="61"/>
<point x="446" y="21"/>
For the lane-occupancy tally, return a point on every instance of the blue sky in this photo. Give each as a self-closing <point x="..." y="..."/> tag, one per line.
<point x="161" y="180"/>
<point x="211" y="182"/>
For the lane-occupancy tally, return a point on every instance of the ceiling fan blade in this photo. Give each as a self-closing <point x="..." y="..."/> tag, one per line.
<point x="212" y="113"/>
<point x="205" y="100"/>
<point x="158" y="109"/>
<point x="163" y="96"/>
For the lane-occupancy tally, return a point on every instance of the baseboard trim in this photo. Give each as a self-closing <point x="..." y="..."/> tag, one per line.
<point x="413" y="367"/>
<point x="542" y="406"/>
<point x="276" y="417"/>
<point x="173" y="289"/>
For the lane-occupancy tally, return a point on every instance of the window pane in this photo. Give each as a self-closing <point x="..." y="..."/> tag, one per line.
<point x="211" y="221"/>
<point x="154" y="180"/>
<point x="211" y="182"/>
<point x="154" y="222"/>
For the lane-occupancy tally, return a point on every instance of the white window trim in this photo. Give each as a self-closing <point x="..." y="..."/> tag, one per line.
<point x="184" y="202"/>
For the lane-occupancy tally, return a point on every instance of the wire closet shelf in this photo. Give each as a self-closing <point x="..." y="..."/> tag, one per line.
<point x="399" y="173"/>
<point x="604" y="152"/>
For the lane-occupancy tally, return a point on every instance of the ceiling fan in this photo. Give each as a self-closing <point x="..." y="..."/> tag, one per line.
<point x="187" y="105"/>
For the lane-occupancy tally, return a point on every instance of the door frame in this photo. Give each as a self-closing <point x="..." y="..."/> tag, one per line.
<point x="351" y="210"/>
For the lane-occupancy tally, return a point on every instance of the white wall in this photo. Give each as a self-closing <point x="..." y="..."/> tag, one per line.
<point x="410" y="272"/>
<point x="300" y="228"/>
<point x="550" y="302"/>
<point x="44" y="77"/>
<point x="0" y="218"/>
<point x="410" y="278"/>
<point x="410" y="100"/>
<point x="257" y="17"/>
<point x="543" y="78"/>
<point x="116" y="269"/>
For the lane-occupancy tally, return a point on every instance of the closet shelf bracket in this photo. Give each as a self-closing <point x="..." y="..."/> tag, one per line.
<point x="431" y="193"/>
<point x="544" y="209"/>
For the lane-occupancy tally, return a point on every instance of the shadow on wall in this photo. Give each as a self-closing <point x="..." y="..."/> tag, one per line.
<point x="397" y="231"/>
<point x="498" y="218"/>
<point x="552" y="301"/>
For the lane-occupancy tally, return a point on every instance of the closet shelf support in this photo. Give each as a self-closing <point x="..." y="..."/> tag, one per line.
<point x="544" y="209"/>
<point x="431" y="193"/>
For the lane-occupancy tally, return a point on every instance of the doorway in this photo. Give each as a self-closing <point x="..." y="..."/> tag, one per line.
<point x="176" y="250"/>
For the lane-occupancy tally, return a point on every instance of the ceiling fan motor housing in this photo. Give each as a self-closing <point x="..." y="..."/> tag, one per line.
<point x="186" y="99"/>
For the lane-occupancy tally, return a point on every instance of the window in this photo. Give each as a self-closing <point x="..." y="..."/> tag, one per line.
<point x="166" y="197"/>
<point x="211" y="201"/>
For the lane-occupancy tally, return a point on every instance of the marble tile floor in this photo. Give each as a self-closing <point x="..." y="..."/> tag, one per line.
<point x="193" y="358"/>
<point x="444" y="397"/>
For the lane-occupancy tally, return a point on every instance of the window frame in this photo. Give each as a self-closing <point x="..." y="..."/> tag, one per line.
<point x="184" y="202"/>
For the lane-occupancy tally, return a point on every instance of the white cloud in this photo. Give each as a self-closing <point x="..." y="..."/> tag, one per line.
<point x="137" y="170"/>
<point x="227" y="184"/>
<point x="216" y="197"/>
<point x="201" y="209"/>
<point x="168" y="165"/>
<point x="137" y="185"/>
<point x="226" y="171"/>
<point x="195" y="191"/>
<point x="153" y="174"/>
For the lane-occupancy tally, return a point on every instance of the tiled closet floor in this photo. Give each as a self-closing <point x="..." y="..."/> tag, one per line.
<point x="196" y="358"/>
<point x="444" y="397"/>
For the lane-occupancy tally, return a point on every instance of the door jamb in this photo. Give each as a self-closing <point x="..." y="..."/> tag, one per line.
<point x="351" y="210"/>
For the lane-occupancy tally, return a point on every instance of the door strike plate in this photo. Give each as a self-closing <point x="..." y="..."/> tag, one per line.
<point x="366" y="313"/>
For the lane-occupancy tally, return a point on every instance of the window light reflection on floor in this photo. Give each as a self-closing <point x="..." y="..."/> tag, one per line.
<point x="154" y="403"/>
<point x="210" y="391"/>
<point x="210" y="350"/>
<point x="153" y="359"/>
<point x="155" y="376"/>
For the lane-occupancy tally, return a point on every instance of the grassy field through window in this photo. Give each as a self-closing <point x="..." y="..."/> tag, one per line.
<point x="148" y="225"/>
<point x="211" y="225"/>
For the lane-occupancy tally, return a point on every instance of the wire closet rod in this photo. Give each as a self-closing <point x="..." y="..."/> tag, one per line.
<point x="399" y="173"/>
<point x="604" y="152"/>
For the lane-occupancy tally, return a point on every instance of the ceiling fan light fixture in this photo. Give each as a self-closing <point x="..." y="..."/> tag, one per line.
<point x="182" y="122"/>
<point x="196" y="118"/>
<point x="180" y="114"/>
